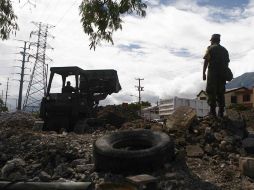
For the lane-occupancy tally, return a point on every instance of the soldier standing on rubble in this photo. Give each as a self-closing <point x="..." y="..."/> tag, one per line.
<point x="216" y="59"/>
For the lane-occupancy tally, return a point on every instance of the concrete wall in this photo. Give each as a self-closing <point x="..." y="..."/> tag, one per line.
<point x="151" y="116"/>
<point x="150" y="113"/>
<point x="168" y="106"/>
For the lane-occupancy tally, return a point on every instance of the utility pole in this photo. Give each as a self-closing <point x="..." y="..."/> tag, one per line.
<point x="2" y="93"/>
<point x="21" y="82"/>
<point x="140" y="88"/>
<point x="6" y="94"/>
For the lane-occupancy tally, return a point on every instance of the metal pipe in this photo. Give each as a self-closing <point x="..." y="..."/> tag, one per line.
<point x="7" y="185"/>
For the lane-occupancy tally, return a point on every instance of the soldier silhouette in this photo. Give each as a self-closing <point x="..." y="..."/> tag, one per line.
<point x="216" y="60"/>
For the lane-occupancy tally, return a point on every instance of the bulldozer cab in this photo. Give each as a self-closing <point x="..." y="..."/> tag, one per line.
<point x="78" y="101"/>
<point x="65" y="72"/>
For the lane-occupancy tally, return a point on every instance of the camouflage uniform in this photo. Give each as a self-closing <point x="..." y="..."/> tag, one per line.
<point x="218" y="59"/>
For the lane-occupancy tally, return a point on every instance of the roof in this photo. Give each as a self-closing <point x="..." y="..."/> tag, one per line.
<point x="244" y="80"/>
<point x="150" y="108"/>
<point x="90" y="74"/>
<point x="202" y="91"/>
<point x="235" y="89"/>
<point x="66" y="70"/>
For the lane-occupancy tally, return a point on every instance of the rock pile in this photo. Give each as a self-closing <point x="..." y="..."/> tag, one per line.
<point x="16" y="119"/>
<point x="211" y="146"/>
<point x="43" y="156"/>
<point x="206" y="136"/>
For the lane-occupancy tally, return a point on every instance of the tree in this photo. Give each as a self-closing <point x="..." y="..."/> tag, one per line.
<point x="3" y="108"/>
<point x="99" y="18"/>
<point x="145" y="104"/>
<point x="8" y="19"/>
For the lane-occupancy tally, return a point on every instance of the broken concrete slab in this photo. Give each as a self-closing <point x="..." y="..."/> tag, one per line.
<point x="236" y="123"/>
<point x="38" y="125"/>
<point x="194" y="151"/>
<point x="218" y="136"/>
<point x="14" y="169"/>
<point x="44" y="176"/>
<point x="251" y="134"/>
<point x="141" y="179"/>
<point x="248" y="145"/>
<point x="246" y="166"/>
<point x="115" y="186"/>
<point x="78" y="162"/>
<point x="182" y="117"/>
<point x="150" y="182"/>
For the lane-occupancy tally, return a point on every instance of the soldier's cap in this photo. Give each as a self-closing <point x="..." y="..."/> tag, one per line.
<point x="215" y="36"/>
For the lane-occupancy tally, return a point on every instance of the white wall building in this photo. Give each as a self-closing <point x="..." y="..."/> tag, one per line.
<point x="168" y="106"/>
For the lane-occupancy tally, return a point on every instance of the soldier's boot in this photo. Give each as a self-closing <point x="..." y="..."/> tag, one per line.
<point x="221" y="112"/>
<point x="212" y="111"/>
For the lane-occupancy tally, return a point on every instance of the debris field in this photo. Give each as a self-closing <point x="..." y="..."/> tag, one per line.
<point x="207" y="152"/>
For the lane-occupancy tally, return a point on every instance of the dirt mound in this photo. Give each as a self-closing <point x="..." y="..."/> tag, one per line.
<point x="116" y="115"/>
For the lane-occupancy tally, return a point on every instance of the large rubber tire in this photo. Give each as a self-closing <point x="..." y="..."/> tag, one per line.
<point x="132" y="151"/>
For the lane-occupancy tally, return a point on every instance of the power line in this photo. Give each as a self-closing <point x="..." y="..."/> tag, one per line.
<point x="65" y="13"/>
<point x="30" y="3"/>
<point x="39" y="16"/>
<point x="54" y="7"/>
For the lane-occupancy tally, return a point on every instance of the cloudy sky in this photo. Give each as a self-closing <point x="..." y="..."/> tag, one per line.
<point x="165" y="48"/>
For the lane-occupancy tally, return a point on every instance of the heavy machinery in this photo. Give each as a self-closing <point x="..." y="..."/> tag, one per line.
<point x="69" y="109"/>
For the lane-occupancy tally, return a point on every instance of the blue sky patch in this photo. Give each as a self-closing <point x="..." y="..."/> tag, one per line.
<point x="129" y="47"/>
<point x="226" y="4"/>
<point x="183" y="52"/>
<point x="225" y="11"/>
<point x="225" y="16"/>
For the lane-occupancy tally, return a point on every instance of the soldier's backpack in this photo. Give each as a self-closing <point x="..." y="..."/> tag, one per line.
<point x="228" y="74"/>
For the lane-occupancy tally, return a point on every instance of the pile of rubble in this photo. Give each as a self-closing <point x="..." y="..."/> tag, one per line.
<point x="207" y="152"/>
<point x="17" y="119"/>
<point x="116" y="115"/>
<point x="43" y="156"/>
<point x="210" y="136"/>
<point x="212" y="147"/>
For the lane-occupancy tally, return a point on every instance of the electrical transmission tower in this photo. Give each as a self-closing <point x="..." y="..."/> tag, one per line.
<point x="38" y="80"/>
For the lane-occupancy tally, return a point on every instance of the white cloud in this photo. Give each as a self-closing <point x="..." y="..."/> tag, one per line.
<point x="168" y="45"/>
